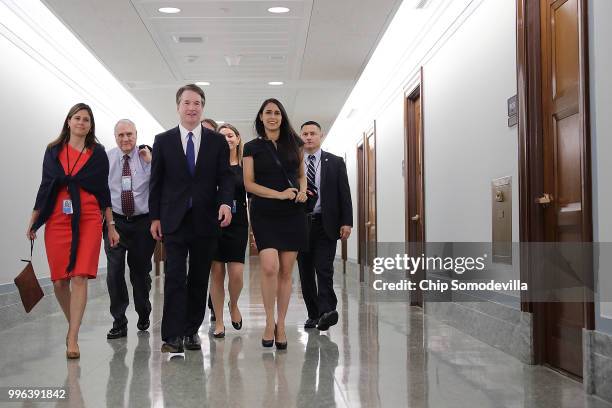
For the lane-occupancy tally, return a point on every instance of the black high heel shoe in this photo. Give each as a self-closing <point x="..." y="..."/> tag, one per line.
<point x="268" y="343"/>
<point x="279" y="345"/>
<point x="237" y="325"/>
<point x="219" y="335"/>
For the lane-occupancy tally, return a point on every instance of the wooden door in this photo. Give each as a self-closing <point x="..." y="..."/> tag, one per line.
<point x="566" y="176"/>
<point x="415" y="186"/>
<point x="361" y="208"/>
<point x="370" y="221"/>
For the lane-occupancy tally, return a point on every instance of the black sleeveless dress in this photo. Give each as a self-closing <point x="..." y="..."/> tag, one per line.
<point x="278" y="224"/>
<point x="232" y="243"/>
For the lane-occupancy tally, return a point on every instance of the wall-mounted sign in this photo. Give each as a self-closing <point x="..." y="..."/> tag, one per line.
<point x="512" y="111"/>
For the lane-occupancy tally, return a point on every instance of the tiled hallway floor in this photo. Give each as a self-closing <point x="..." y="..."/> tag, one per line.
<point x="379" y="355"/>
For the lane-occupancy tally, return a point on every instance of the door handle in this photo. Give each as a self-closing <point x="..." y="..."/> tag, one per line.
<point x="545" y="199"/>
<point x="416" y="218"/>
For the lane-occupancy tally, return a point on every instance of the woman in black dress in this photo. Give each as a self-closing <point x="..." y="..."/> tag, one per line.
<point x="232" y="243"/>
<point x="274" y="175"/>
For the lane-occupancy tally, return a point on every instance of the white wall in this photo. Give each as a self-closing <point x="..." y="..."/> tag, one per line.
<point x="467" y="141"/>
<point x="468" y="51"/>
<point x="600" y="32"/>
<point x="44" y="72"/>
<point x="390" y="215"/>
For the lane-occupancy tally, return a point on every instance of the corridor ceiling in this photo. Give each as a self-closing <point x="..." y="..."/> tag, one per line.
<point x="318" y="49"/>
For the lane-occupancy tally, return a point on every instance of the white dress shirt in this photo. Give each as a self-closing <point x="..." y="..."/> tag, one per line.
<point x="141" y="174"/>
<point x="197" y="138"/>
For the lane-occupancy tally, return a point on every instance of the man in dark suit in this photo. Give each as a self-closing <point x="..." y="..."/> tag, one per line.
<point x="330" y="220"/>
<point x="191" y="193"/>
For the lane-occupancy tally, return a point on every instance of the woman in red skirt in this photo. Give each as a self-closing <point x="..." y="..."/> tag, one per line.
<point x="73" y="192"/>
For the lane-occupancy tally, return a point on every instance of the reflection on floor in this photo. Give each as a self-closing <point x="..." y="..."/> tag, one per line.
<point x="379" y="355"/>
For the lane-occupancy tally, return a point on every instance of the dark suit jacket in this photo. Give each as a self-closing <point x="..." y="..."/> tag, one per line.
<point x="172" y="185"/>
<point x="336" y="204"/>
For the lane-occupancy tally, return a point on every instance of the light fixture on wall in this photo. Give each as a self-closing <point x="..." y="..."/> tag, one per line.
<point x="278" y="10"/>
<point x="169" y="10"/>
<point x="275" y="83"/>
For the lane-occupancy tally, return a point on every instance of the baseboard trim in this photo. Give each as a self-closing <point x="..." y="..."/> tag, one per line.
<point x="12" y="312"/>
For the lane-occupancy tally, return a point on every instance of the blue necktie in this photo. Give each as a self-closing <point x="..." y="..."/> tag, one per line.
<point x="190" y="153"/>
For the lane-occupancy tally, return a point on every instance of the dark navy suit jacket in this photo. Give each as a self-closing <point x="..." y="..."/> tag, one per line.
<point x="336" y="204"/>
<point x="172" y="186"/>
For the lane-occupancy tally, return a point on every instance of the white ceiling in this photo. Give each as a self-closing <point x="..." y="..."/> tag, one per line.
<point x="318" y="50"/>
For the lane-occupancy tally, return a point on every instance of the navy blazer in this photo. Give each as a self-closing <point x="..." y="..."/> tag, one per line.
<point x="335" y="192"/>
<point x="171" y="185"/>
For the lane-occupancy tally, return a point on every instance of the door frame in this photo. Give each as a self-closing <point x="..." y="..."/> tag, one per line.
<point x="370" y="133"/>
<point x="416" y="91"/>
<point x="361" y="180"/>
<point x="531" y="150"/>
<point x="409" y="136"/>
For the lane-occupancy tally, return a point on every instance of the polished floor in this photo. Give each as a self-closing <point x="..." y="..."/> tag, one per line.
<point x="379" y="355"/>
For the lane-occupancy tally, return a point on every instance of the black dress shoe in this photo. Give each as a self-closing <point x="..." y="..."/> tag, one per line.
<point x="193" y="342"/>
<point x="143" y="324"/>
<point x="310" y="323"/>
<point x="173" y="345"/>
<point x="327" y="320"/>
<point x="116" y="333"/>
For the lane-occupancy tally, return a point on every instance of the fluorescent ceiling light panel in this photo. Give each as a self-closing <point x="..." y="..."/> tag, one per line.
<point x="278" y="10"/>
<point x="169" y="10"/>
<point x="203" y="83"/>
<point x="275" y="83"/>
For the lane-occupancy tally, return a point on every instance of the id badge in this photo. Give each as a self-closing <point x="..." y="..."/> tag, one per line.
<point x="234" y="207"/>
<point x="67" y="207"/>
<point x="126" y="183"/>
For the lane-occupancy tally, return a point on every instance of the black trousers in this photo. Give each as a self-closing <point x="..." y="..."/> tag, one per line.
<point x="135" y="241"/>
<point x="185" y="291"/>
<point x="317" y="272"/>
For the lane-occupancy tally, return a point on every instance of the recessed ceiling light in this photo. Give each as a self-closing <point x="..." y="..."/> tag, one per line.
<point x="220" y="122"/>
<point x="275" y="83"/>
<point x="169" y="10"/>
<point x="278" y="10"/>
<point x="203" y="83"/>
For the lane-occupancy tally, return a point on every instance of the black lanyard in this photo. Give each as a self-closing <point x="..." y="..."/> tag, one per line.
<point x="68" y="159"/>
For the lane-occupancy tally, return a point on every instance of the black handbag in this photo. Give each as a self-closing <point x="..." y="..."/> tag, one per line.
<point x="311" y="200"/>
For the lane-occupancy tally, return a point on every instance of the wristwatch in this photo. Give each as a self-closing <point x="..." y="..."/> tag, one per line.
<point x="112" y="222"/>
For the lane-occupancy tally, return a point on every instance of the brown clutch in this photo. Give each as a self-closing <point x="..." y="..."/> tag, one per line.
<point x="29" y="288"/>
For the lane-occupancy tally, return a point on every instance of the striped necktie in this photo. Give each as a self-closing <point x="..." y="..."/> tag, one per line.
<point x="311" y="173"/>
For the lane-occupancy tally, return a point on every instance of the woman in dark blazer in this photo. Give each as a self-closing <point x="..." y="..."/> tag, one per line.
<point x="73" y="192"/>
<point x="274" y="175"/>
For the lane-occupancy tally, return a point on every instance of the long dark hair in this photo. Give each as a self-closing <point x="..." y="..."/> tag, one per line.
<point x="289" y="143"/>
<point x="64" y="137"/>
